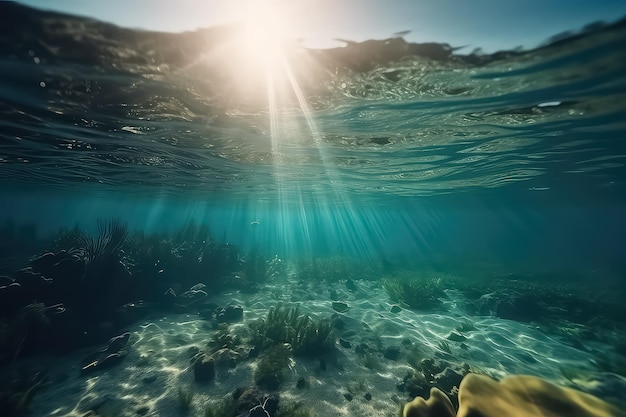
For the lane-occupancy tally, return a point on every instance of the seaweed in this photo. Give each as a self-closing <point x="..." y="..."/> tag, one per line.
<point x="293" y="409"/>
<point x="185" y="397"/>
<point x="307" y="336"/>
<point x="269" y="371"/>
<point x="417" y="294"/>
<point x="222" y="338"/>
<point x="333" y="269"/>
<point x="255" y="267"/>
<point x="224" y="407"/>
<point x="191" y="234"/>
<point x="28" y="323"/>
<point x="68" y="239"/>
<point x="111" y="237"/>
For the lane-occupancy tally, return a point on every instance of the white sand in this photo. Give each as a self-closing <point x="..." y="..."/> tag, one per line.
<point x="159" y="359"/>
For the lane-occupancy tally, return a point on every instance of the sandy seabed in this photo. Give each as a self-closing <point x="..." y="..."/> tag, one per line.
<point x="147" y="381"/>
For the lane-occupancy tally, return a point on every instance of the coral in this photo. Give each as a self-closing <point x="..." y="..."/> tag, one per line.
<point x="527" y="396"/>
<point x="438" y="405"/>
<point x="514" y="396"/>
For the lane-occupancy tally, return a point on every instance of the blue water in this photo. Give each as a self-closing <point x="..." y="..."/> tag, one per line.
<point x="382" y="150"/>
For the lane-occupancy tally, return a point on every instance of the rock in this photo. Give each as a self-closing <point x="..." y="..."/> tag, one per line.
<point x="395" y="309"/>
<point x="447" y="379"/>
<point x="4" y="280"/>
<point x="142" y="411"/>
<point x="348" y="396"/>
<point x="367" y="396"/>
<point x="270" y="381"/>
<point x="229" y="314"/>
<point x="301" y="384"/>
<point x="44" y="262"/>
<point x="130" y="313"/>
<point x="12" y="298"/>
<point x="338" y="322"/>
<point x="431" y="367"/>
<point x="271" y="404"/>
<point x="117" y="343"/>
<point x="392" y="353"/>
<point x="416" y="390"/>
<point x="35" y="284"/>
<point x="198" y="286"/>
<point x="340" y="306"/>
<point x="191" y="297"/>
<point x="362" y="348"/>
<point x="108" y="356"/>
<point x="204" y="368"/>
<point x="351" y="285"/>
<point x="169" y="298"/>
<point x="258" y="411"/>
<point x="248" y="399"/>
<point x="226" y="357"/>
<point x="456" y="337"/>
<point x="68" y="272"/>
<point x="344" y="343"/>
<point x="149" y="379"/>
<point x="192" y="351"/>
<point x="105" y="362"/>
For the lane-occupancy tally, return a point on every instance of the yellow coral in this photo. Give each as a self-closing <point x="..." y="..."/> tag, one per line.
<point x="527" y="396"/>
<point x="514" y="396"/>
<point x="438" y="405"/>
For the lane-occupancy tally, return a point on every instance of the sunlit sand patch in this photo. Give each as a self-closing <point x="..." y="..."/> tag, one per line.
<point x="158" y="363"/>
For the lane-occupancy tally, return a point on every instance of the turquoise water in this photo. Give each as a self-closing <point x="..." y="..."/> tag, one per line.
<point x="394" y="155"/>
<point x="394" y="150"/>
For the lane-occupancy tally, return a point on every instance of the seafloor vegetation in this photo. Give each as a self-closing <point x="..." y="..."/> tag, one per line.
<point x="74" y="290"/>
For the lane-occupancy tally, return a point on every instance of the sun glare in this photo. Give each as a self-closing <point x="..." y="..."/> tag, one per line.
<point x="269" y="63"/>
<point x="266" y="32"/>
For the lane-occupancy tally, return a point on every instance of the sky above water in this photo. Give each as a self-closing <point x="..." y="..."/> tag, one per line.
<point x="489" y="24"/>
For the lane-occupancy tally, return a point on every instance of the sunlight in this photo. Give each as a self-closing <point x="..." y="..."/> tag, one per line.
<point x="271" y="66"/>
<point x="266" y="32"/>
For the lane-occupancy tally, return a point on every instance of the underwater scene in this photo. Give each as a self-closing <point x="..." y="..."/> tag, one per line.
<point x="221" y="223"/>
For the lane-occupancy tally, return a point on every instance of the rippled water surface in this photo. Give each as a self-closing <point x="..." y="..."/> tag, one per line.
<point x="382" y="147"/>
<point x="88" y="105"/>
